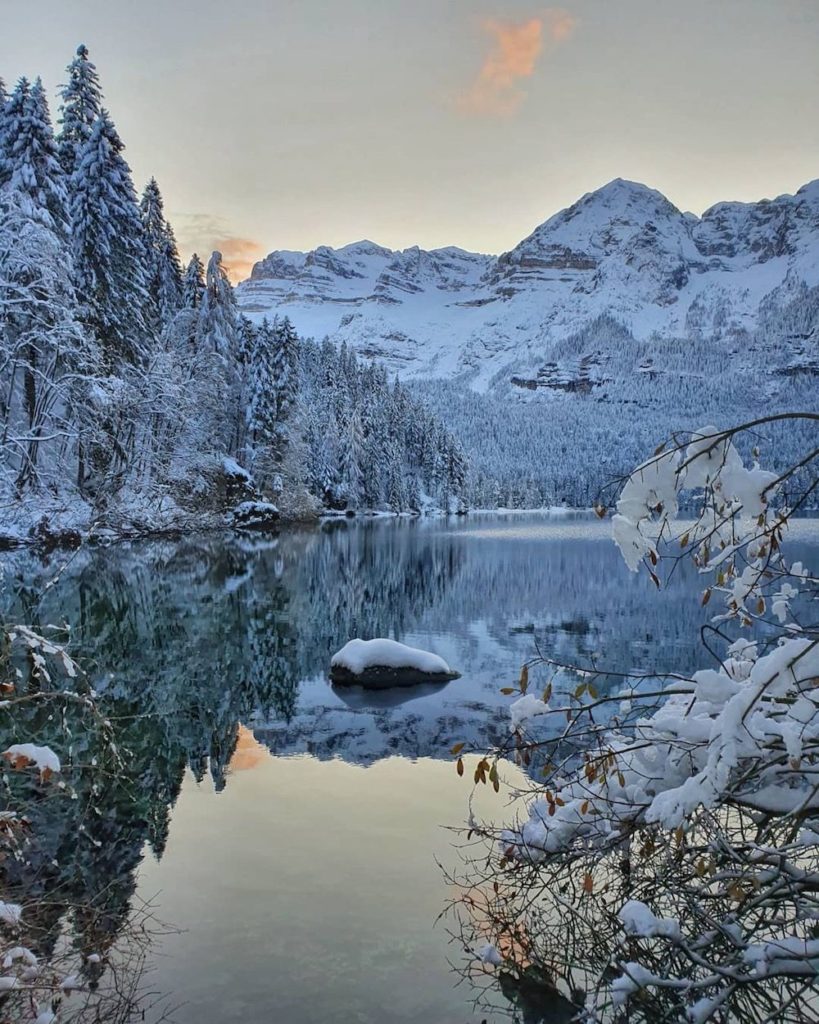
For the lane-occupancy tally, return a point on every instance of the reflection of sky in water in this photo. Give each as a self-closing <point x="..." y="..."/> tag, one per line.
<point x="307" y="888"/>
<point x="309" y="892"/>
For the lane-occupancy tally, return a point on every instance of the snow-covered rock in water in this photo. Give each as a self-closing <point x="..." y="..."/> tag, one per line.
<point x="381" y="663"/>
<point x="254" y="515"/>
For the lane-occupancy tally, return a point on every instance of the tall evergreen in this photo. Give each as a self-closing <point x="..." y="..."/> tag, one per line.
<point x="32" y="164"/>
<point x="261" y="407"/>
<point x="285" y="368"/>
<point x="108" y="245"/>
<point x="14" y="114"/>
<point x="3" y="101"/>
<point x="163" y="265"/>
<point x="218" y="328"/>
<point x="81" y="106"/>
<point x="193" y="284"/>
<point x="352" y="460"/>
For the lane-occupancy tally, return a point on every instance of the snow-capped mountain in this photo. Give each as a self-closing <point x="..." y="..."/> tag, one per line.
<point x="623" y="252"/>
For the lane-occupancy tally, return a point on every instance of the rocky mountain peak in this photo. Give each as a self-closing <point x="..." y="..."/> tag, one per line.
<point x="622" y="251"/>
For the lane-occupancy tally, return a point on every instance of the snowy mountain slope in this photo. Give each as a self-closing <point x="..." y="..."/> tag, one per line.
<point x="623" y="251"/>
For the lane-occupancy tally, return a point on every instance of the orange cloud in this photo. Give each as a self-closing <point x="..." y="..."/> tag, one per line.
<point x="238" y="256"/>
<point x="202" y="233"/>
<point x="516" y="48"/>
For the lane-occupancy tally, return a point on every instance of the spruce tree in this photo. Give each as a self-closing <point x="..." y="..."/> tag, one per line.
<point x="163" y="266"/>
<point x="3" y="101"/>
<point x="218" y="328"/>
<point x="193" y="285"/>
<point x="285" y="368"/>
<point x="81" y="106"/>
<point x="109" y="251"/>
<point x="352" y="459"/>
<point x="14" y="113"/>
<point x="31" y="161"/>
<point x="261" y="408"/>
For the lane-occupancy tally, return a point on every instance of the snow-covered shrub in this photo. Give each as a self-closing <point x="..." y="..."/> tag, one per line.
<point x="55" y="747"/>
<point x="667" y="863"/>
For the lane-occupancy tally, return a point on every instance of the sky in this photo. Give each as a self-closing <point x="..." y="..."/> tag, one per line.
<point x="287" y="124"/>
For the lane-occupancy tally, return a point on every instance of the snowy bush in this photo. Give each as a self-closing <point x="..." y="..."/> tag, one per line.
<point x="667" y="864"/>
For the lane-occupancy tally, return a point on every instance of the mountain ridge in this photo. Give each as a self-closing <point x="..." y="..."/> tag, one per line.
<point x="624" y="251"/>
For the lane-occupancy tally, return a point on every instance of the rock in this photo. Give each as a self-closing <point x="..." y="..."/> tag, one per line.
<point x="48" y="538"/>
<point x="255" y="515"/>
<point x="380" y="677"/>
<point x="382" y="663"/>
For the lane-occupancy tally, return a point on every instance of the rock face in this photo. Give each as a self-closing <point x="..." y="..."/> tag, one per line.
<point x="623" y="251"/>
<point x="382" y="677"/>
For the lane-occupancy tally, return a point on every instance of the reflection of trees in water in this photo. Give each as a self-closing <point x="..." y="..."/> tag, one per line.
<point x="185" y="640"/>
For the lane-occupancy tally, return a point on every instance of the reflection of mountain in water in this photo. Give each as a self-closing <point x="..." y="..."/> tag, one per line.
<point x="186" y="640"/>
<point x="205" y="633"/>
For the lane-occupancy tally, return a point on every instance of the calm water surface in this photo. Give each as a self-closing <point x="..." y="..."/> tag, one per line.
<point x="291" y="831"/>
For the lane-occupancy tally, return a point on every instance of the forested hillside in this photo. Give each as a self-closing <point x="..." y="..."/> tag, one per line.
<point x="133" y="395"/>
<point x="595" y="404"/>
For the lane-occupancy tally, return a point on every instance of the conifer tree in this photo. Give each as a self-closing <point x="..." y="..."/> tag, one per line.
<point x="81" y="106"/>
<point x="285" y="369"/>
<point x="108" y="247"/>
<point x="193" y="285"/>
<point x="247" y="340"/>
<point x="218" y="328"/>
<point x="164" y="268"/>
<point x="217" y="349"/>
<point x="352" y="458"/>
<point x="261" y="410"/>
<point x="3" y="101"/>
<point x="31" y="161"/>
<point x="14" y="112"/>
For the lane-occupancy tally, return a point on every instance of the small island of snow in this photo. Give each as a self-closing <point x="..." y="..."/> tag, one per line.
<point x="382" y="662"/>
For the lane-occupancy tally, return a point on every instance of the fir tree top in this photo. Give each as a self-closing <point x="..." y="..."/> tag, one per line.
<point x="81" y="106"/>
<point x="194" y="283"/>
<point x="30" y="164"/>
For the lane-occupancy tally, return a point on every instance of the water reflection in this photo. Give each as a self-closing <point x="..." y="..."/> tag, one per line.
<point x="211" y="656"/>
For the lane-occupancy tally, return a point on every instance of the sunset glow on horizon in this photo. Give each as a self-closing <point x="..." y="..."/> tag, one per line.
<point x="287" y="126"/>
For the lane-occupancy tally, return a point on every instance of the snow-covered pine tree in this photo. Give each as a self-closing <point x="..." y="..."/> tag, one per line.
<point x="285" y="368"/>
<point x="110" y="263"/>
<point x="164" y="268"/>
<point x="217" y="345"/>
<point x="81" y="106"/>
<point x="247" y="340"/>
<point x="218" y="329"/>
<point x="261" y="406"/>
<point x="193" y="285"/>
<point x="31" y="161"/>
<point x="14" y="112"/>
<point x="46" y="360"/>
<point x="3" y="101"/>
<point x="352" y="460"/>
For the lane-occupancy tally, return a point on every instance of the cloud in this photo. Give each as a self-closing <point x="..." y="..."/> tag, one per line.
<point x="515" y="51"/>
<point x="202" y="233"/>
<point x="238" y="255"/>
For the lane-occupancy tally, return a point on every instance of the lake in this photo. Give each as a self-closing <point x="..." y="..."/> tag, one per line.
<point x="289" y="832"/>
